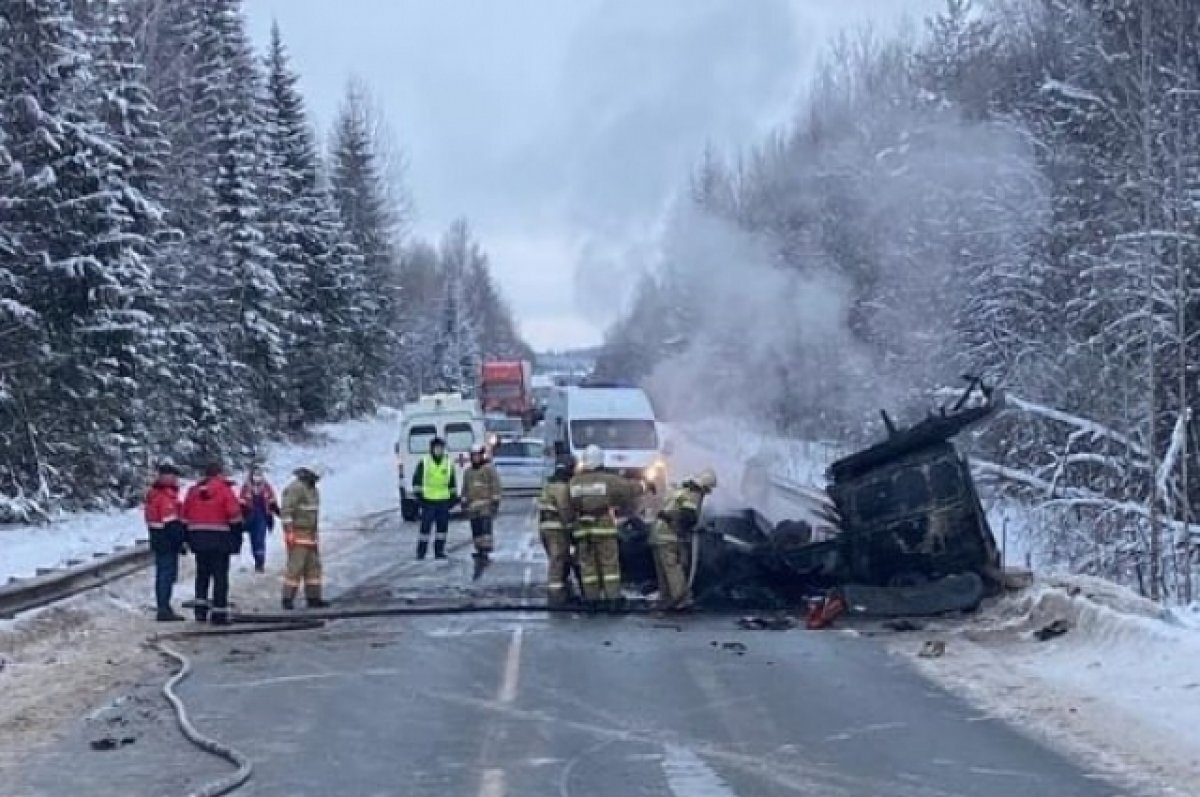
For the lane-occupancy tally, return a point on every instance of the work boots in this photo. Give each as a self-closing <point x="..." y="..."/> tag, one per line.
<point x="439" y="549"/>
<point x="422" y="549"/>
<point x="482" y="560"/>
<point x="168" y="616"/>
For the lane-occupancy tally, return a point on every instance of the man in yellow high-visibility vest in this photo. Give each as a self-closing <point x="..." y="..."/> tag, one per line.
<point x="435" y="484"/>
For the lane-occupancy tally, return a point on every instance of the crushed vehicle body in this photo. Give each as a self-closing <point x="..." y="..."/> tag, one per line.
<point x="908" y="527"/>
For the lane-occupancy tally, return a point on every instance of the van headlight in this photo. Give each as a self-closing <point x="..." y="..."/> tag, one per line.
<point x="655" y="471"/>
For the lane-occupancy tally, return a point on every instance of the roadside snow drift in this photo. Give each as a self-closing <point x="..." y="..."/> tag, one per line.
<point x="1121" y="685"/>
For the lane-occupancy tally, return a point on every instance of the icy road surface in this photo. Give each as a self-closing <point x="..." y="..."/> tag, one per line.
<point x="528" y="705"/>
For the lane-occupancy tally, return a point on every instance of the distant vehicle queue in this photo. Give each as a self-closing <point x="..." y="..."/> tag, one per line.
<point x="600" y="459"/>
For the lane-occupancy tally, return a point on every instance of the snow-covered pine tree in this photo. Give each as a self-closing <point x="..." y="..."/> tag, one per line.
<point x="362" y="198"/>
<point x="79" y="263"/>
<point x="317" y="263"/>
<point x="421" y="287"/>
<point x="244" y="284"/>
<point x="457" y="351"/>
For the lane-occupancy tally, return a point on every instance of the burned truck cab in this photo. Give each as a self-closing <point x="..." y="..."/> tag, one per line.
<point x="912" y="519"/>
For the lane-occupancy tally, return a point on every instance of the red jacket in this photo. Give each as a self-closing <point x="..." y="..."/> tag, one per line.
<point x="265" y="490"/>
<point x="162" y="505"/>
<point x="211" y="506"/>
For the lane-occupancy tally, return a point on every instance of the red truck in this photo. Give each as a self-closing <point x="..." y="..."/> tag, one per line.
<point x="506" y="386"/>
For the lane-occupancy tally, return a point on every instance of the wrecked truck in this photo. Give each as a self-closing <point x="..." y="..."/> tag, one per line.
<point x="910" y="535"/>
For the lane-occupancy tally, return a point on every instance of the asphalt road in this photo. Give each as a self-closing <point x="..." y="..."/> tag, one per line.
<point x="488" y="706"/>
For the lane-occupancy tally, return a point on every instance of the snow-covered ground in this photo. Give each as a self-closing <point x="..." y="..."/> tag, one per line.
<point x="360" y="477"/>
<point x="1121" y="687"/>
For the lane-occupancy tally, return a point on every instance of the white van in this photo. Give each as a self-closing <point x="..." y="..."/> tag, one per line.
<point x="449" y="416"/>
<point x="618" y="419"/>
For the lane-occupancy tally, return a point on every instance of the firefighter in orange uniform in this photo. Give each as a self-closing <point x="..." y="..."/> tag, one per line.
<point x="301" y="516"/>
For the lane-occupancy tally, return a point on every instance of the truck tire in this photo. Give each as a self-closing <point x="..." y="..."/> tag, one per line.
<point x="409" y="510"/>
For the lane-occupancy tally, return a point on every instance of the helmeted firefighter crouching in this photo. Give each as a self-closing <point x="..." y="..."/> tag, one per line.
<point x="301" y="518"/>
<point x="596" y="498"/>
<point x="481" y="494"/>
<point x="671" y="539"/>
<point x="213" y="516"/>
<point x="555" y="525"/>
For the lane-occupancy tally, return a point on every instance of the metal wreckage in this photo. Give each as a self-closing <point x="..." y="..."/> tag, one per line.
<point x="909" y="534"/>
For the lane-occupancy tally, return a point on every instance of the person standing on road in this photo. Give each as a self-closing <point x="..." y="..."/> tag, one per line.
<point x="301" y="517"/>
<point x="162" y="510"/>
<point x="596" y="497"/>
<point x="671" y="539"/>
<point x="259" y="507"/>
<point x="555" y="521"/>
<point x="434" y="484"/>
<point x="481" y="493"/>
<point x="213" y="517"/>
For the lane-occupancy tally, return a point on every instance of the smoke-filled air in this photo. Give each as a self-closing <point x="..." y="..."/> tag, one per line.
<point x="1003" y="191"/>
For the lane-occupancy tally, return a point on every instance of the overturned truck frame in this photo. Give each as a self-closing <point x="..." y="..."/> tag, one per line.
<point x="910" y="534"/>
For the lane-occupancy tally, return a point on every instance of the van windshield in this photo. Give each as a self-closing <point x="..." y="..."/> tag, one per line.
<point x="459" y="436"/>
<point x="419" y="438"/>
<point x="616" y="435"/>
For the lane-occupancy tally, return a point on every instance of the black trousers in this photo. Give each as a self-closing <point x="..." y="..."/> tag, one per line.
<point x="212" y="567"/>
<point x="434" y="514"/>
<point x="481" y="533"/>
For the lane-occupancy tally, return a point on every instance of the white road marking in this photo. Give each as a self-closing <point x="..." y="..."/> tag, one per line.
<point x="688" y="776"/>
<point x="512" y="667"/>
<point x="492" y="784"/>
<point x="321" y="676"/>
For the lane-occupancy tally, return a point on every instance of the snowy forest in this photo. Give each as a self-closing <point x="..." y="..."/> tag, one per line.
<point x="186" y="269"/>
<point x="1011" y="189"/>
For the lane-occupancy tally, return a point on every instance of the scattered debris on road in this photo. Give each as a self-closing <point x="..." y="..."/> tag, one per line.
<point x="903" y="624"/>
<point x="933" y="649"/>
<point x="1052" y="630"/>
<point x="111" y="743"/>
<point x="776" y="623"/>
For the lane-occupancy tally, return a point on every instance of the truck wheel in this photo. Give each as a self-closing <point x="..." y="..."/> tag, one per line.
<point x="908" y="578"/>
<point x="409" y="510"/>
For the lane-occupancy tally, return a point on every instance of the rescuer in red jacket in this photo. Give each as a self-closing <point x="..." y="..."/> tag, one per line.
<point x="166" y="528"/>
<point x="214" y="533"/>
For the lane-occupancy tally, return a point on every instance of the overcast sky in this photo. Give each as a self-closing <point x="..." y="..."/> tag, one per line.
<point x="561" y="128"/>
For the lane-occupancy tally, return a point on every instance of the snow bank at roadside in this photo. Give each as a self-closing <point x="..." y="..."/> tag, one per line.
<point x="360" y="477"/>
<point x="1121" y="686"/>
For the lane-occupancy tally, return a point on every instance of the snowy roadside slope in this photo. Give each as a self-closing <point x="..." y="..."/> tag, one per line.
<point x="1121" y="687"/>
<point x="360" y="477"/>
<point x="357" y="463"/>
